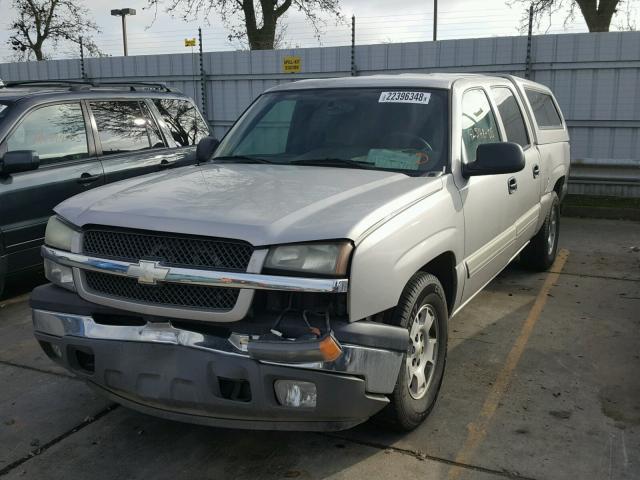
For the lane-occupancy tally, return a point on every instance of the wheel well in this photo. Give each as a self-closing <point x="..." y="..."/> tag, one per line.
<point x="444" y="267"/>
<point x="558" y="186"/>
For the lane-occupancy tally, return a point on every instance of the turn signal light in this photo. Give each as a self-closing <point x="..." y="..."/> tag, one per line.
<point x="330" y="349"/>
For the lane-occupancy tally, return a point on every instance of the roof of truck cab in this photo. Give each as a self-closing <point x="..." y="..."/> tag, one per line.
<point x="422" y="80"/>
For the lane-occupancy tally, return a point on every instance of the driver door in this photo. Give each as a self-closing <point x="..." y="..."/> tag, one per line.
<point x="488" y="216"/>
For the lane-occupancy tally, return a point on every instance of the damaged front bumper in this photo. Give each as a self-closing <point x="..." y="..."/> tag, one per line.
<point x="212" y="379"/>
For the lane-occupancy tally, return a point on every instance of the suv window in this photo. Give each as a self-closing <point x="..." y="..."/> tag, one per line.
<point x="511" y="115"/>
<point x="544" y="109"/>
<point x="152" y="128"/>
<point x="4" y="109"/>
<point x="55" y="132"/>
<point x="123" y="127"/>
<point x="183" y="120"/>
<point x="478" y="122"/>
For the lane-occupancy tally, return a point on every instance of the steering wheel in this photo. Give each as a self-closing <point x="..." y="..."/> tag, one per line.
<point x="424" y="145"/>
<point x="410" y="140"/>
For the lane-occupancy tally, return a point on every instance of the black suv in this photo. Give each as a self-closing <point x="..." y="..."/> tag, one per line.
<point x="58" y="139"/>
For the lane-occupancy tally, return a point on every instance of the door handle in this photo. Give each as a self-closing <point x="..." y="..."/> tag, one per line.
<point x="165" y="164"/>
<point x="536" y="170"/>
<point x="512" y="184"/>
<point x="86" y="178"/>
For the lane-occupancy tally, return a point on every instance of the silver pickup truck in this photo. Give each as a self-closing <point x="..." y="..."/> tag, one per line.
<point x="302" y="275"/>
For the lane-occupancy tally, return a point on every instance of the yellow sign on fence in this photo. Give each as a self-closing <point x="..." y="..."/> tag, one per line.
<point x="189" y="42"/>
<point x="292" y="64"/>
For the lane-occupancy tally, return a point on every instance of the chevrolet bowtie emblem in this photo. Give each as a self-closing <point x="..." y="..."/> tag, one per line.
<point x="148" y="272"/>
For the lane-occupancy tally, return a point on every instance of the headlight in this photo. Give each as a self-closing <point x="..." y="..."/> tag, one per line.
<point x="58" y="234"/>
<point x="319" y="258"/>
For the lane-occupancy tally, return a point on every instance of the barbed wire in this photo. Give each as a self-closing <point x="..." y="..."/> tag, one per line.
<point x="370" y="29"/>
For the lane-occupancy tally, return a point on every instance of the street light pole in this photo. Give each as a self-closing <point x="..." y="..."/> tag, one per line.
<point x="123" y="12"/>
<point x="124" y="35"/>
<point x="435" y="20"/>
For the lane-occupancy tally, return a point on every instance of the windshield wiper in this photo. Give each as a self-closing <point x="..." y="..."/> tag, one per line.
<point x="333" y="162"/>
<point x="241" y="159"/>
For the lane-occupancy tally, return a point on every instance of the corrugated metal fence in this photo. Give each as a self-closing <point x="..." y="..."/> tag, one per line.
<point x="596" y="77"/>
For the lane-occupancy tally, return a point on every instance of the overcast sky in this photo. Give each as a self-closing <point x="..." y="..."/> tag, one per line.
<point x="377" y="21"/>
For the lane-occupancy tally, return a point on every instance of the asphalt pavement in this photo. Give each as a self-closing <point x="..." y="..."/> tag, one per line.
<point x="541" y="382"/>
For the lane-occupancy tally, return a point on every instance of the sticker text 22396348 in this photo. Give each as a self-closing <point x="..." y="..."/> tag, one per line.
<point x="404" y="97"/>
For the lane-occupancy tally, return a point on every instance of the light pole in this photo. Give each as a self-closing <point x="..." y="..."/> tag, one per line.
<point x="435" y="20"/>
<point x="123" y="12"/>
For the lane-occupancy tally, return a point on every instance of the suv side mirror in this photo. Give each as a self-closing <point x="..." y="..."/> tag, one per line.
<point x="19" y="161"/>
<point x="205" y="149"/>
<point x="494" y="159"/>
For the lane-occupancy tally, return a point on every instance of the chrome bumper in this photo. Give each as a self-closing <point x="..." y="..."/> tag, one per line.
<point x="378" y="367"/>
<point x="193" y="276"/>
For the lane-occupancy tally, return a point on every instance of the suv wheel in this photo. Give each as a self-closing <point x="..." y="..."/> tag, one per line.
<point x="541" y="251"/>
<point x="422" y="310"/>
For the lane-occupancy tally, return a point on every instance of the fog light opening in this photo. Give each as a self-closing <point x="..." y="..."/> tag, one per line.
<point x="297" y="394"/>
<point x="53" y="351"/>
<point x="57" y="351"/>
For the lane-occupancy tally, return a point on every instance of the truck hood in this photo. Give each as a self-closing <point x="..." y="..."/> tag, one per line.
<point x="262" y="204"/>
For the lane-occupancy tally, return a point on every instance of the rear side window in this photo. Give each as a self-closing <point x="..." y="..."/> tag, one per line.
<point x="123" y="127"/>
<point x="478" y="123"/>
<point x="544" y="109"/>
<point x="511" y="115"/>
<point x="183" y="120"/>
<point x="56" y="132"/>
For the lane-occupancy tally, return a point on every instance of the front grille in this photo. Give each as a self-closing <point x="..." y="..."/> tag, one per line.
<point x="184" y="251"/>
<point x="165" y="294"/>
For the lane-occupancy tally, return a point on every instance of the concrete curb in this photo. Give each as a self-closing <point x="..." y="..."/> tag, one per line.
<point x="613" y="213"/>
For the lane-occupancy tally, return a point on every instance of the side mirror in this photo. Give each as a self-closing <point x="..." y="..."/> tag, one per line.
<point x="205" y="149"/>
<point x="494" y="159"/>
<point x="19" y="161"/>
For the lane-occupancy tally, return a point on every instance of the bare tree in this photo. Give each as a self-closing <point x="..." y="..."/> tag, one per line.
<point x="255" y="20"/>
<point x="47" y="23"/>
<point x="597" y="13"/>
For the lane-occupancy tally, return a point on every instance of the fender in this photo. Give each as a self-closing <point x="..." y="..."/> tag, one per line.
<point x="385" y="260"/>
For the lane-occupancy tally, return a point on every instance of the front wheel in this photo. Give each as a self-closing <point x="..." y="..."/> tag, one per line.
<point x="541" y="251"/>
<point x="422" y="310"/>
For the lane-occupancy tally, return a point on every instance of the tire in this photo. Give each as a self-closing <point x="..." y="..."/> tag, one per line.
<point x="411" y="402"/>
<point x="541" y="252"/>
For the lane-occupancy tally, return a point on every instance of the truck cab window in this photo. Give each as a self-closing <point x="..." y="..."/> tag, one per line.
<point x="478" y="123"/>
<point x="511" y="115"/>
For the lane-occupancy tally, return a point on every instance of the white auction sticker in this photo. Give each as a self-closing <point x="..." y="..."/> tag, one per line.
<point x="404" y="97"/>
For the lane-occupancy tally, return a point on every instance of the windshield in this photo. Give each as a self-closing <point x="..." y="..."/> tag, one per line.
<point x="374" y="128"/>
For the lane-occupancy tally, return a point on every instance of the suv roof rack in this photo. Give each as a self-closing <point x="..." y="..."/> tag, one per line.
<point x="86" y="84"/>
<point x="73" y="84"/>
<point x="135" y="85"/>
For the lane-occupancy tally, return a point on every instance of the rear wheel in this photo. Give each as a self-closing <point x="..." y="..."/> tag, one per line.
<point x="541" y="251"/>
<point x="422" y="310"/>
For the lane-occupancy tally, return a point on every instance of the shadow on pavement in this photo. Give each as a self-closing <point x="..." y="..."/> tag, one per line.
<point x="22" y="283"/>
